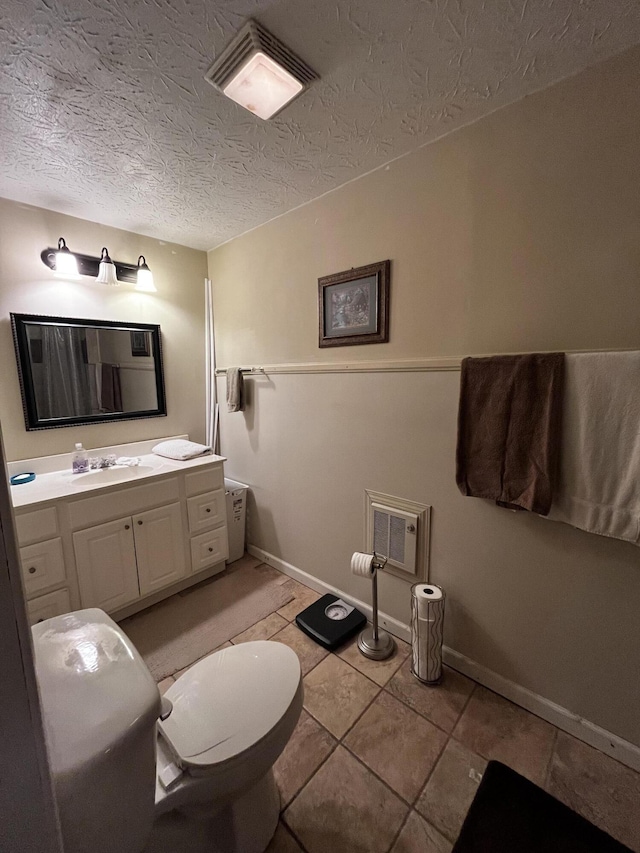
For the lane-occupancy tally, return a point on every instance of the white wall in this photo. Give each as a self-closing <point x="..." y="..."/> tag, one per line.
<point x="518" y="233"/>
<point x="28" y="286"/>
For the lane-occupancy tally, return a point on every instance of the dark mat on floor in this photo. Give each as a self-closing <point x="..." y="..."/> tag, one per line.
<point x="510" y="814"/>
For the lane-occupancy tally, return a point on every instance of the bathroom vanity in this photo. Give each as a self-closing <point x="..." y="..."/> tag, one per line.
<point x="121" y="538"/>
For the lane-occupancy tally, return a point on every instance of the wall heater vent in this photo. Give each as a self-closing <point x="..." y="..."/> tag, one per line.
<point x="398" y="530"/>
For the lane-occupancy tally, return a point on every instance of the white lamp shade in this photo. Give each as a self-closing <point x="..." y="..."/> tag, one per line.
<point x="107" y="273"/>
<point x="262" y="86"/>
<point x="66" y="265"/>
<point x="145" y="281"/>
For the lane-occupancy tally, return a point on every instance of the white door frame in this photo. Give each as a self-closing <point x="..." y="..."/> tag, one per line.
<point x="28" y="813"/>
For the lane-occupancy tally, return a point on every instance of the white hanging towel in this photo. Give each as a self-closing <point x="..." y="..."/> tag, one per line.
<point x="599" y="487"/>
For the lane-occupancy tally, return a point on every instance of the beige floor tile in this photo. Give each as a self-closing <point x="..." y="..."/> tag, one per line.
<point x="596" y="786"/>
<point x="309" y="653"/>
<point x="302" y="598"/>
<point x="397" y="744"/>
<point x="441" y="703"/>
<point x="262" y="630"/>
<point x="165" y="684"/>
<point x="310" y="744"/>
<point x="451" y="788"/>
<point x="186" y="668"/>
<point x="283" y="842"/>
<point x="336" y="694"/>
<point x="346" y="809"/>
<point x="379" y="671"/>
<point x="418" y="836"/>
<point x="496" y="728"/>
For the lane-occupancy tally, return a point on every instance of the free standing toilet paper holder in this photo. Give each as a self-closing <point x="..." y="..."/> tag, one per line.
<point x="373" y="642"/>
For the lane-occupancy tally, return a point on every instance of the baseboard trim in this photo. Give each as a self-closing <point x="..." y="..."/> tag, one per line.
<point x="393" y="626"/>
<point x="622" y="750"/>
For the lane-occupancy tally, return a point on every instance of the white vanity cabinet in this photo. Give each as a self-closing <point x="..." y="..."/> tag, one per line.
<point x="134" y="556"/>
<point x="125" y="546"/>
<point x="43" y="563"/>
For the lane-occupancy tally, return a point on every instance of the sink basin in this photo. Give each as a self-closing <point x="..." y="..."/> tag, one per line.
<point x="107" y="476"/>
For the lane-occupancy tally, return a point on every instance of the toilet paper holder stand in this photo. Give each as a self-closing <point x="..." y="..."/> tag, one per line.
<point x="373" y="642"/>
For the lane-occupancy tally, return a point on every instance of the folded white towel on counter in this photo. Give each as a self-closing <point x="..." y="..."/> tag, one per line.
<point x="180" y="448"/>
<point x="599" y="488"/>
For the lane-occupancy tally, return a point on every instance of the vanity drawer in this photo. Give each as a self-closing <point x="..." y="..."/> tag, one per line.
<point x="209" y="548"/>
<point x="205" y="480"/>
<point x="46" y="606"/>
<point x="34" y="526"/>
<point x="206" y="511"/>
<point x="91" y="511"/>
<point x="42" y="565"/>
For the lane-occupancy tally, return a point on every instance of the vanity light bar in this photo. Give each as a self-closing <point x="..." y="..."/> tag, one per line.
<point x="89" y="265"/>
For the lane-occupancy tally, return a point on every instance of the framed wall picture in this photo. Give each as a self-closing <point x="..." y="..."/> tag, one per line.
<point x="353" y="306"/>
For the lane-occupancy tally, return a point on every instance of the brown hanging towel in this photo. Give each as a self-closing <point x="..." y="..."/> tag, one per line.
<point x="509" y="423"/>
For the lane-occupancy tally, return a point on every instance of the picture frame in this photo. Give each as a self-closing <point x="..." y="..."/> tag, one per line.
<point x="353" y="306"/>
<point x="140" y="344"/>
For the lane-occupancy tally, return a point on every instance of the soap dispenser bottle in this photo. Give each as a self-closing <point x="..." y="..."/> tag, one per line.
<point x="80" y="462"/>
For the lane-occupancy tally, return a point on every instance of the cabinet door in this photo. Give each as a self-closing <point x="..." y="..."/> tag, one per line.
<point x="106" y="563"/>
<point x="159" y="547"/>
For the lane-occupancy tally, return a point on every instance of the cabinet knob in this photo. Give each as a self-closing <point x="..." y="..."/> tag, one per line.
<point x="208" y="509"/>
<point x="139" y="522"/>
<point x="32" y="570"/>
<point x="126" y="527"/>
<point x="210" y="549"/>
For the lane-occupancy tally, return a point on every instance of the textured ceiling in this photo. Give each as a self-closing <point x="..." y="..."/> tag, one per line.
<point x="104" y="112"/>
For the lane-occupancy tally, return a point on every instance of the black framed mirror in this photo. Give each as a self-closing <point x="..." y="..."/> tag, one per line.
<point x="87" y="371"/>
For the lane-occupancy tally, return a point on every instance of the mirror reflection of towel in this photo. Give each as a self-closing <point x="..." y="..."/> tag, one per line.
<point x="111" y="391"/>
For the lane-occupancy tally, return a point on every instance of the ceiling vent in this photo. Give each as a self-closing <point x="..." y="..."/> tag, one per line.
<point x="259" y="72"/>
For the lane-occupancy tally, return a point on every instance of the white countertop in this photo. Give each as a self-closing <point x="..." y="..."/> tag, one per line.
<point x="53" y="485"/>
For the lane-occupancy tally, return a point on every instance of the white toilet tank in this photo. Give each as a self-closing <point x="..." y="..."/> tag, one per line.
<point x="100" y="705"/>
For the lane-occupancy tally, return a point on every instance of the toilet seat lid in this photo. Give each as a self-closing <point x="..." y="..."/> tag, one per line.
<point x="229" y="701"/>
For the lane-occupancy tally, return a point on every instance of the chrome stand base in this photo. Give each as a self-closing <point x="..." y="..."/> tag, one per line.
<point x="378" y="649"/>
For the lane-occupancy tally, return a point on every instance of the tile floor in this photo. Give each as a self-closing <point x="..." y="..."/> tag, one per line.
<point x="380" y="762"/>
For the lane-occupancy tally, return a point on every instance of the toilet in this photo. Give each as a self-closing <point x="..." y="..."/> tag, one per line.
<point x="133" y="772"/>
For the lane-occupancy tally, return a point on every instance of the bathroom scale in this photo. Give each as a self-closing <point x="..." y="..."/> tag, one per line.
<point x="330" y="621"/>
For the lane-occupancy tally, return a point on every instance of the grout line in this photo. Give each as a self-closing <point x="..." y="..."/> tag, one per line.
<point x="289" y="831"/>
<point x="399" y="832"/>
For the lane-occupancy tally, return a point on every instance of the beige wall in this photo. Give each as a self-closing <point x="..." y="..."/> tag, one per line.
<point x="521" y="232"/>
<point x="28" y="286"/>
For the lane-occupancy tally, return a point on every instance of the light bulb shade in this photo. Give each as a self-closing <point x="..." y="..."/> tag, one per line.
<point x="262" y="86"/>
<point x="144" y="281"/>
<point x="259" y="72"/>
<point x="107" y="269"/>
<point x="66" y="263"/>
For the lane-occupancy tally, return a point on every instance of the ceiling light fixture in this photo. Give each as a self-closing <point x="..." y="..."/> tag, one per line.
<point x="259" y="72"/>
<point x="107" y="270"/>
<point x="65" y="264"/>
<point x="145" y="277"/>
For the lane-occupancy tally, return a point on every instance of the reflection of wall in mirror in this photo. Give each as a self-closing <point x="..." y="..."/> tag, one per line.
<point x="137" y="376"/>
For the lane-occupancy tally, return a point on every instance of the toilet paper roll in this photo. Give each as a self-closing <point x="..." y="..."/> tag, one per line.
<point x="427" y="622"/>
<point x="362" y="564"/>
<point x="426" y="594"/>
